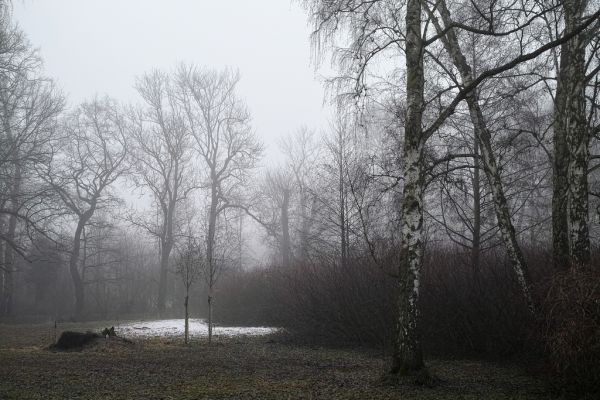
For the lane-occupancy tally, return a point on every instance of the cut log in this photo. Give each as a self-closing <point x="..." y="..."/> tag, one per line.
<point x="75" y="340"/>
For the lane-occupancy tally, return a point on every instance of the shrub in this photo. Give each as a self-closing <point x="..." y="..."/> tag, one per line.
<point x="570" y="329"/>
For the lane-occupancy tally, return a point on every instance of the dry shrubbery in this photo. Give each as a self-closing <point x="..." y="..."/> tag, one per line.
<point x="472" y="313"/>
<point x="465" y="313"/>
<point x="569" y="328"/>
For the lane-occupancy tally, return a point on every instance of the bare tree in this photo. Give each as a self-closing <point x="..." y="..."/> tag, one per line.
<point x="162" y="162"/>
<point x="29" y="106"/>
<point x="490" y="165"/>
<point x="302" y="152"/>
<point x="220" y="124"/>
<point x="92" y="159"/>
<point x="189" y="265"/>
<point x="270" y="208"/>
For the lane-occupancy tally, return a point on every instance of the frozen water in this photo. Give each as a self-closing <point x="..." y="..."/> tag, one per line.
<point x="175" y="327"/>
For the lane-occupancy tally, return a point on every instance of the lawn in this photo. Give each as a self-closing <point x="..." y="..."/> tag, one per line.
<point x="264" y="367"/>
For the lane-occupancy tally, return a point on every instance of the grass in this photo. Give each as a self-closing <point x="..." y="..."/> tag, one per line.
<point x="234" y="368"/>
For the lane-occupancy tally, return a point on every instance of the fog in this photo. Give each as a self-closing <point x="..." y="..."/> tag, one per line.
<point x="100" y="47"/>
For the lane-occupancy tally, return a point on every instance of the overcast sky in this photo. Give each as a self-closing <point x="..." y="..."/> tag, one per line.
<point x="99" y="47"/>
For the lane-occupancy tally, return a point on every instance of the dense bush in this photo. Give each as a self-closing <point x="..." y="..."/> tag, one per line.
<point x="570" y="328"/>
<point x="472" y="312"/>
<point x="465" y="312"/>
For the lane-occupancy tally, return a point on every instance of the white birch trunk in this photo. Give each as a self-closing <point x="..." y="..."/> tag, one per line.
<point x="408" y="356"/>
<point x="573" y="81"/>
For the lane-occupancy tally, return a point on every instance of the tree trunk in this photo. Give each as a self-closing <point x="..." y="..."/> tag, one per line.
<point x="74" y="271"/>
<point x="305" y="226"/>
<point x="2" y="270"/>
<point x="503" y="216"/>
<point x="165" y="251"/>
<point x="9" y="265"/>
<point x="187" y="318"/>
<point x="210" y="315"/>
<point x="476" y="238"/>
<point x="9" y="252"/>
<point x="167" y="242"/>
<point x="74" y="262"/>
<point x="212" y="222"/>
<point x="490" y="166"/>
<point x="286" y="249"/>
<point x="573" y="81"/>
<point x="407" y="355"/>
<point x="560" y="182"/>
<point x="343" y="216"/>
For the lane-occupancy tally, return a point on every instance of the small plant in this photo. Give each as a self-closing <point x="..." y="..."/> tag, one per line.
<point x="189" y="265"/>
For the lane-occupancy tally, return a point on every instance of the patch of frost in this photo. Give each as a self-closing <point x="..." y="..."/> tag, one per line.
<point x="175" y="327"/>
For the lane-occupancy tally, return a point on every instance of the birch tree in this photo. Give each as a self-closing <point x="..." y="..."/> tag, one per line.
<point x="490" y="165"/>
<point x="377" y="29"/>
<point x="572" y="136"/>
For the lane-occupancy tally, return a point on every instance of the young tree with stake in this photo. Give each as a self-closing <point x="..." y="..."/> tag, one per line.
<point x="189" y="266"/>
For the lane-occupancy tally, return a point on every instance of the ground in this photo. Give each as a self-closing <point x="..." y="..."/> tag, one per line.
<point x="265" y="367"/>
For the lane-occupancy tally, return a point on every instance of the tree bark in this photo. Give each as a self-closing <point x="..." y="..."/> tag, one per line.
<point x="476" y="238"/>
<point x="407" y="356"/>
<point x="572" y="100"/>
<point x="560" y="182"/>
<point x="2" y="271"/>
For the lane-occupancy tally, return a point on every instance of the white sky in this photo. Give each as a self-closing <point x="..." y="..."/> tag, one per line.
<point x="99" y="47"/>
